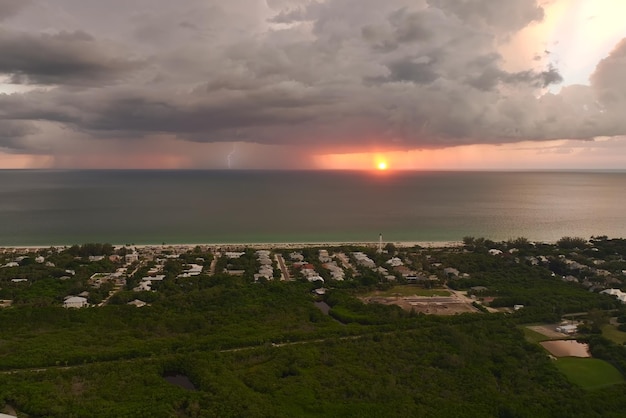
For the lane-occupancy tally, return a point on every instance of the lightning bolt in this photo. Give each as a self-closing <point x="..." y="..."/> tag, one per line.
<point x="229" y="157"/>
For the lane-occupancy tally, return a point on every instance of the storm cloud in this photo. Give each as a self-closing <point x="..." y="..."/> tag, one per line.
<point x="397" y="74"/>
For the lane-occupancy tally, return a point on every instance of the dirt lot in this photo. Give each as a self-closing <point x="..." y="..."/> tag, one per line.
<point x="435" y="305"/>
<point x="547" y="330"/>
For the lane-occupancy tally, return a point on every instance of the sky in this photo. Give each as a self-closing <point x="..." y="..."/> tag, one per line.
<point x="323" y="84"/>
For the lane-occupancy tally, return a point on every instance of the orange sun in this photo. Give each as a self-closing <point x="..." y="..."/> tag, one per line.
<point x="382" y="165"/>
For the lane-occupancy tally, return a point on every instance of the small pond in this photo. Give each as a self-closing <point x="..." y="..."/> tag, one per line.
<point x="180" y="380"/>
<point x="322" y="306"/>
<point x="566" y="348"/>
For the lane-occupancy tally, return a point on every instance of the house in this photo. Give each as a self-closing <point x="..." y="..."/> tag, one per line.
<point x="233" y="254"/>
<point x="621" y="296"/>
<point x="324" y="257"/>
<point x="567" y="329"/>
<point x="75" y="302"/>
<point x="395" y="262"/>
<point x="295" y="256"/>
<point x="451" y="272"/>
<point x="138" y="303"/>
<point x="144" y="286"/>
<point x="363" y="260"/>
<point x="192" y="270"/>
<point x="404" y="270"/>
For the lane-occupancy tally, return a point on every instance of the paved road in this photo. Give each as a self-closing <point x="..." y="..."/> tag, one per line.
<point x="283" y="267"/>
<point x="213" y="263"/>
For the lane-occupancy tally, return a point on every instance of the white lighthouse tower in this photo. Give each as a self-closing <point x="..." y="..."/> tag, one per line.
<point x="380" y="243"/>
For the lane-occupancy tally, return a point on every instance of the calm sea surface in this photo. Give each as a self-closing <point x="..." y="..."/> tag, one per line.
<point x="142" y="207"/>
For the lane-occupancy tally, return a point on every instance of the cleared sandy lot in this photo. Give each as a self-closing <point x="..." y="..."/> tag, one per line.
<point x="434" y="305"/>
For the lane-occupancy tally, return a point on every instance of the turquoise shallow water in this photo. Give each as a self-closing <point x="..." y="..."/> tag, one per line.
<point x="143" y="207"/>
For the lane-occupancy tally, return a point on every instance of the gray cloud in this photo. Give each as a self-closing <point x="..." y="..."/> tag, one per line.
<point x="503" y="16"/>
<point x="340" y="73"/>
<point x="9" y="8"/>
<point x="13" y="134"/>
<point x="74" y="58"/>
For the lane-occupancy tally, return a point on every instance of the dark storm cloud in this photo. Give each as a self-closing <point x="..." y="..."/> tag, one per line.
<point x="9" y="8"/>
<point x="13" y="133"/>
<point x="335" y="73"/>
<point x="63" y="58"/>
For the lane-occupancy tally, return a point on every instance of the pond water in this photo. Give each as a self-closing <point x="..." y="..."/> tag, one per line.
<point x="566" y="348"/>
<point x="180" y="380"/>
<point x="322" y="306"/>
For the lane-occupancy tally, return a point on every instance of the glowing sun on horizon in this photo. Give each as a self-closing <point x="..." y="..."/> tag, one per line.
<point x="382" y="165"/>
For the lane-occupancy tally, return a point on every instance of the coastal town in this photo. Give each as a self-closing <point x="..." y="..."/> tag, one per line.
<point x="423" y="278"/>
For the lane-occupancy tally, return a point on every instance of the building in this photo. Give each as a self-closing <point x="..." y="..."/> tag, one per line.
<point x="395" y="262"/>
<point x="621" y="296"/>
<point x="567" y="329"/>
<point x="138" y="303"/>
<point x="75" y="302"/>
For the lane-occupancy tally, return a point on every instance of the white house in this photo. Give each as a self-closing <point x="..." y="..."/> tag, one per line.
<point x="192" y="270"/>
<point x="75" y="302"/>
<point x="233" y="254"/>
<point x="138" y="303"/>
<point x="295" y="256"/>
<point x="324" y="257"/>
<point x="395" y="262"/>
<point x="621" y="296"/>
<point x="567" y="329"/>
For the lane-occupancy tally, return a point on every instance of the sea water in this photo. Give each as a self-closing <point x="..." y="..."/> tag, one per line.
<point x="40" y="207"/>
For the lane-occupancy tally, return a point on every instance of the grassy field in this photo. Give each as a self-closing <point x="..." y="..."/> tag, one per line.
<point x="534" y="336"/>
<point x="589" y="373"/>
<point x="612" y="333"/>
<point x="409" y="290"/>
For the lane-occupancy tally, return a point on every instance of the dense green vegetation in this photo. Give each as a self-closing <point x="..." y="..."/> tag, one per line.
<point x="264" y="349"/>
<point x="544" y="296"/>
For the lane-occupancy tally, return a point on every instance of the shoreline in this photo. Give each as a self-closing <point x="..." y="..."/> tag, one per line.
<point x="270" y="245"/>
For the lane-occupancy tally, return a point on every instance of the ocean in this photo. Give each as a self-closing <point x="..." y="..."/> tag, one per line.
<point x="41" y="207"/>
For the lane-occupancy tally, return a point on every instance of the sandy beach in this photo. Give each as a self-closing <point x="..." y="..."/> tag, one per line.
<point x="266" y="245"/>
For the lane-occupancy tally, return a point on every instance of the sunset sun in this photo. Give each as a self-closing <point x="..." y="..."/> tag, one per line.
<point x="382" y="165"/>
